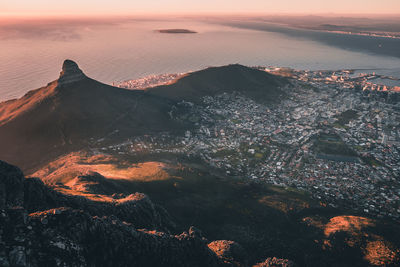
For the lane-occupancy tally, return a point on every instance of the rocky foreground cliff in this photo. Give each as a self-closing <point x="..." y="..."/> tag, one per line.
<point x="41" y="227"/>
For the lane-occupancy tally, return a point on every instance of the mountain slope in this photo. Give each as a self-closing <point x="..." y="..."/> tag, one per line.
<point x="66" y="113"/>
<point x="69" y="113"/>
<point x="253" y="83"/>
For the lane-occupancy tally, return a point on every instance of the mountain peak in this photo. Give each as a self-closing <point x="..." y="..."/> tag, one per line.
<point x="70" y="73"/>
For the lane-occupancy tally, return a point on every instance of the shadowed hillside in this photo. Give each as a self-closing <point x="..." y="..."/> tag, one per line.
<point x="66" y="113"/>
<point x="43" y="227"/>
<point x="265" y="220"/>
<point x="253" y="83"/>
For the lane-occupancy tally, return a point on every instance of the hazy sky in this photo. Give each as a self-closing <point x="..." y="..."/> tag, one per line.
<point x="125" y="7"/>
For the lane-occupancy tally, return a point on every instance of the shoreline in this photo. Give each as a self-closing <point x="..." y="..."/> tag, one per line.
<point x="358" y="33"/>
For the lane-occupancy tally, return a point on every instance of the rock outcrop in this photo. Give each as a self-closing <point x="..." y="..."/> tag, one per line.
<point x="70" y="237"/>
<point x="43" y="227"/>
<point x="229" y="252"/>
<point x="70" y="73"/>
<point x="136" y="208"/>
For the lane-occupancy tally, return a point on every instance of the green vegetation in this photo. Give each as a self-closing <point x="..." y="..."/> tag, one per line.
<point x="218" y="117"/>
<point x="338" y="125"/>
<point x="345" y="117"/>
<point x="236" y="121"/>
<point x="358" y="148"/>
<point x="225" y="153"/>
<point x="259" y="155"/>
<point x="372" y="161"/>
<point x="194" y="118"/>
<point x="332" y="144"/>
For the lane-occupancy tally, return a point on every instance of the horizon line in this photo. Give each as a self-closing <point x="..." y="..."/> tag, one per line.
<point x="5" y="15"/>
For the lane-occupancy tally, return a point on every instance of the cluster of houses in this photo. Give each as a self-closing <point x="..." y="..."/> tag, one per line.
<point x="278" y="143"/>
<point x="148" y="81"/>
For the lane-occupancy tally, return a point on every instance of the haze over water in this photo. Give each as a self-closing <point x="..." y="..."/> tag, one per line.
<point x="31" y="55"/>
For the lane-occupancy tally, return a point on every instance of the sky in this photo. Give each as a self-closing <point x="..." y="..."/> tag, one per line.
<point x="127" y="7"/>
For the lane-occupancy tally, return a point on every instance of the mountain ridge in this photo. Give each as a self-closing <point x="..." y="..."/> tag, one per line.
<point x="74" y="110"/>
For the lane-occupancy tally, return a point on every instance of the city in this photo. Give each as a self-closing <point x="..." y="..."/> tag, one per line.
<point x="327" y="137"/>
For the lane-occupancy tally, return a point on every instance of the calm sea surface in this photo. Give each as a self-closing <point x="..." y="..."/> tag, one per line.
<point x="31" y="56"/>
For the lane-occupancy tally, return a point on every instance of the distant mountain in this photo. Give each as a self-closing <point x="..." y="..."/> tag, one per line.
<point x="66" y="113"/>
<point x="256" y="84"/>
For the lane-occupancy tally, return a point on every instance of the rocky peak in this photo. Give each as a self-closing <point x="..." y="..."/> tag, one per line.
<point x="70" y="73"/>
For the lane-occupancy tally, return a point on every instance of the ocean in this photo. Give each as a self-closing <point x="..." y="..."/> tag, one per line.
<point x="31" y="53"/>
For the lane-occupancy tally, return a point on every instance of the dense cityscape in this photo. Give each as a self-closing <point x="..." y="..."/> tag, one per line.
<point x="331" y="136"/>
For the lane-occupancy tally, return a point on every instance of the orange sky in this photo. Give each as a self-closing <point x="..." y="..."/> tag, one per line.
<point x="127" y="7"/>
